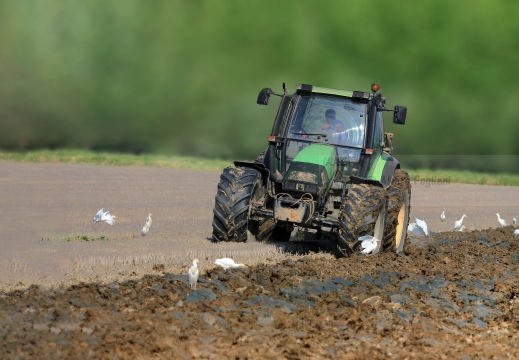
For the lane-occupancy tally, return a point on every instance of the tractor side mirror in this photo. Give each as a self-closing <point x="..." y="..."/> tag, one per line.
<point x="264" y="96"/>
<point x="399" y="115"/>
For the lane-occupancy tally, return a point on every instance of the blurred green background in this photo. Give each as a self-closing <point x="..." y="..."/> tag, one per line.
<point x="182" y="77"/>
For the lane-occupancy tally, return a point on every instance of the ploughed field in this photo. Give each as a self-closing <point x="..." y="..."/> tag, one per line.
<point x="71" y="288"/>
<point x="451" y="295"/>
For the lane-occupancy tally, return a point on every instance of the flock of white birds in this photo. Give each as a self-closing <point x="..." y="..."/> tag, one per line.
<point x="194" y="272"/>
<point x="368" y="242"/>
<point x="419" y="227"/>
<point x="105" y="216"/>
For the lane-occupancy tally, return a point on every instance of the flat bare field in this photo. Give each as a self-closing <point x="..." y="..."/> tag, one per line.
<point x="48" y="236"/>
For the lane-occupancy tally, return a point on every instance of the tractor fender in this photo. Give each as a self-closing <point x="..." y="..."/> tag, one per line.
<point x="265" y="173"/>
<point x="381" y="172"/>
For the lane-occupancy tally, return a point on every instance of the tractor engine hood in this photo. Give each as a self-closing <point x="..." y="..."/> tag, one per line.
<point x="312" y="170"/>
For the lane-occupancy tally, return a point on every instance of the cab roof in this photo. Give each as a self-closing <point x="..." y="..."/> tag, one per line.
<point x="321" y="90"/>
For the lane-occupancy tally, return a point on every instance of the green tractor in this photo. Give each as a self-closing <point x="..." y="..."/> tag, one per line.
<point x="328" y="167"/>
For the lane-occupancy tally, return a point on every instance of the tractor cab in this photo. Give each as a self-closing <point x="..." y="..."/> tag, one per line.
<point x="322" y="133"/>
<point x="333" y="126"/>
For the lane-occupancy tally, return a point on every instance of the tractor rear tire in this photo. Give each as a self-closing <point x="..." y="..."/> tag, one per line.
<point x="232" y="203"/>
<point x="362" y="213"/>
<point x="398" y="210"/>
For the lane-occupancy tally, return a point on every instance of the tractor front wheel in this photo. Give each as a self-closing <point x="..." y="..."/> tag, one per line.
<point x="237" y="187"/>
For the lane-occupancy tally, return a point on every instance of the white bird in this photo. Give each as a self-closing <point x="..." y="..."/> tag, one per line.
<point x="502" y="222"/>
<point x="105" y="216"/>
<point x="516" y="232"/>
<point x="193" y="274"/>
<point x="458" y="223"/>
<point x="227" y="263"/>
<point x="423" y="225"/>
<point x="514" y="222"/>
<point x="462" y="228"/>
<point x="414" y="228"/>
<point x="442" y="215"/>
<point x="369" y="243"/>
<point x="146" y="228"/>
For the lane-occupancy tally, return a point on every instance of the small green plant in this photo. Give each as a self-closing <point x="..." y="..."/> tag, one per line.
<point x="85" y="238"/>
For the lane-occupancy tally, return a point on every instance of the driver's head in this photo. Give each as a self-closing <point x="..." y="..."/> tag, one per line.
<point x="329" y="115"/>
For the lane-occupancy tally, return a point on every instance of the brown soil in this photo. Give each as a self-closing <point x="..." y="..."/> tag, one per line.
<point x="449" y="295"/>
<point x="434" y="301"/>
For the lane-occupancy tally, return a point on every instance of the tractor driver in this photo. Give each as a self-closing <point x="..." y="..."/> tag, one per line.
<point x="333" y="123"/>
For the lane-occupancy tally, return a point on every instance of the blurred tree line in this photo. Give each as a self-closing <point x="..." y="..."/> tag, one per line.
<point x="172" y="76"/>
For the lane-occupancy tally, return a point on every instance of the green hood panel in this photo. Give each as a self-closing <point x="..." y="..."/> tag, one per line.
<point x="318" y="154"/>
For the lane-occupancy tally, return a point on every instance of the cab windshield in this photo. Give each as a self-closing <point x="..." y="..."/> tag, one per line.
<point x="329" y="120"/>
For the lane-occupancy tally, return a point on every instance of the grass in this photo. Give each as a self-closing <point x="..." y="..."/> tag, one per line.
<point x="441" y="177"/>
<point x="423" y="176"/>
<point x="116" y="159"/>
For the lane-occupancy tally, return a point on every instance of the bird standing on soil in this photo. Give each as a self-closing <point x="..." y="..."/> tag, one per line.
<point x="516" y="232"/>
<point x="501" y="222"/>
<point x="193" y="274"/>
<point x="146" y="228"/>
<point x="414" y="228"/>
<point x="462" y="228"/>
<point x="369" y="243"/>
<point x="227" y="263"/>
<point x="442" y="215"/>
<point x="104" y="216"/>
<point x="422" y="225"/>
<point x="458" y="223"/>
<point x="514" y="222"/>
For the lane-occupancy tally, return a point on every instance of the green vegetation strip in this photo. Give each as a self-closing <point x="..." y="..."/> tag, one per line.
<point x="421" y="176"/>
<point x="445" y="177"/>
<point x="116" y="159"/>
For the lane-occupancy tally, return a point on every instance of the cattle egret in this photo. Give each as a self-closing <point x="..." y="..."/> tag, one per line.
<point x="369" y="243"/>
<point x="514" y="222"/>
<point x="458" y="223"/>
<point x="227" y="263"/>
<point x="442" y="215"/>
<point x="423" y="225"/>
<point x="500" y="221"/>
<point x="193" y="274"/>
<point x="105" y="216"/>
<point x="516" y="232"/>
<point x="146" y="228"/>
<point x="414" y="228"/>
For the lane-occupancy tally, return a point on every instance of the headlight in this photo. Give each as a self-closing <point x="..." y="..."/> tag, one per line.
<point x="348" y="155"/>
<point x="305" y="177"/>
